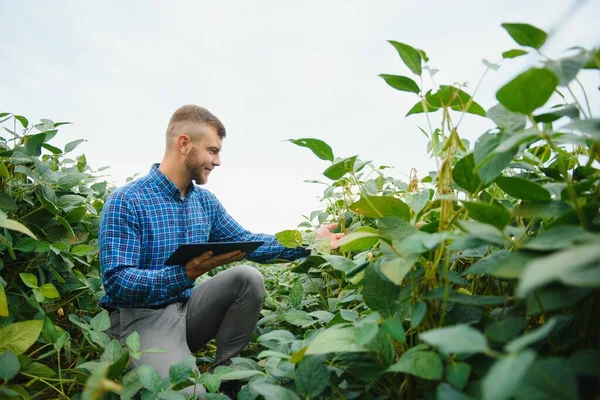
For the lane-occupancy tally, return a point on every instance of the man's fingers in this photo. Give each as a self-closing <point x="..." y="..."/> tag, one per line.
<point x="331" y="226"/>
<point x="338" y="235"/>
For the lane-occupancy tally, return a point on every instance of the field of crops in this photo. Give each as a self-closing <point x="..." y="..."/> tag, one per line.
<point x="481" y="280"/>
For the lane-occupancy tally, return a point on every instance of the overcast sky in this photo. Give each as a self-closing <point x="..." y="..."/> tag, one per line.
<point x="270" y="70"/>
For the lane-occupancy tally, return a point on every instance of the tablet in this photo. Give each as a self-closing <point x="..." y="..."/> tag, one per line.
<point x="186" y="252"/>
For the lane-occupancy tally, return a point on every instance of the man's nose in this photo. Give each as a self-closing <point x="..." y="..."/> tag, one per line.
<point x="216" y="160"/>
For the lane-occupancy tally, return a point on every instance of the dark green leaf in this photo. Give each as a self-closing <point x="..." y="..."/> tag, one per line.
<point x="505" y="330"/>
<point x="585" y="362"/>
<point x="569" y="110"/>
<point x="151" y="379"/>
<point x="273" y="392"/>
<point x="458" y="374"/>
<point x="482" y="231"/>
<point x="567" y="68"/>
<point x="396" y="269"/>
<point x="409" y="55"/>
<point x="395" y="329"/>
<point x="451" y="97"/>
<point x="465" y="176"/>
<point x="34" y="144"/>
<point x="296" y="294"/>
<point x="491" y="214"/>
<point x="417" y="314"/>
<point x="180" y="372"/>
<point x="552" y="209"/>
<point x="536" y="335"/>
<point x="523" y="189"/>
<point x="550" y="378"/>
<point x="318" y="147"/>
<point x="560" y="237"/>
<point x="339" y="169"/>
<point x="489" y="165"/>
<point x="312" y="377"/>
<point x="101" y="321"/>
<point x="501" y="263"/>
<point x="526" y="35"/>
<point x="22" y="120"/>
<point x="447" y="392"/>
<point x="379" y="294"/>
<point x="528" y="91"/>
<point x="401" y="83"/>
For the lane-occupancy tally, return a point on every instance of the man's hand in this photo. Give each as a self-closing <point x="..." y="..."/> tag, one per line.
<point x="204" y="263"/>
<point x="324" y="231"/>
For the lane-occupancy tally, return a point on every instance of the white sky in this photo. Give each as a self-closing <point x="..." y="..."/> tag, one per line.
<point x="270" y="70"/>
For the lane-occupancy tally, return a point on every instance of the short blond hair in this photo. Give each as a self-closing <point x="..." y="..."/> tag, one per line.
<point x="191" y="113"/>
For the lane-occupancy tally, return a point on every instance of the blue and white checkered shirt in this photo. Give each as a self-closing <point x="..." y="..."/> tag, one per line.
<point x="144" y="221"/>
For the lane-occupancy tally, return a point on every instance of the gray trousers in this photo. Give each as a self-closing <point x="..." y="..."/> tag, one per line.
<point x="225" y="307"/>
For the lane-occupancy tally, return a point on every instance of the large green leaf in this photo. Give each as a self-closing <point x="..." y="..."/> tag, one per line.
<point x="9" y="365"/>
<point x="501" y="263"/>
<point x="558" y="266"/>
<point x="536" y="335"/>
<point x="458" y="374"/>
<point x="296" y="317"/>
<point x="401" y="83"/>
<point x="395" y="229"/>
<point x="381" y="206"/>
<point x="490" y="164"/>
<point x="312" y="377"/>
<point x="503" y="378"/>
<point x="410" y="56"/>
<point x="528" y="91"/>
<point x="151" y="379"/>
<point x="180" y="372"/>
<point x="318" y="147"/>
<point x="379" y="294"/>
<point x="336" y="340"/>
<point x="291" y="238"/>
<point x="550" y="378"/>
<point x="396" y="269"/>
<point x="491" y="214"/>
<point x="273" y="392"/>
<point x="296" y="294"/>
<point x="560" y="237"/>
<point x="526" y="35"/>
<point x="523" y="189"/>
<point x="483" y="231"/>
<point x="34" y="144"/>
<point x="361" y="239"/>
<point x="339" y="169"/>
<point x="422" y="364"/>
<point x="456" y="339"/>
<point x="19" y="336"/>
<point x="567" y="68"/>
<point x="15" y="226"/>
<point x="465" y="176"/>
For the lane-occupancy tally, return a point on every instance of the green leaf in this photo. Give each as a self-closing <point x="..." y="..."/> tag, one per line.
<point x="318" y="147"/>
<point x="240" y="375"/>
<point x="568" y="110"/>
<point x="49" y="291"/>
<point x="504" y="330"/>
<point x="447" y="392"/>
<point x="417" y="314"/>
<point x="133" y="341"/>
<point x="526" y="35"/>
<point x="82" y="250"/>
<point x="69" y="200"/>
<point x="180" y="372"/>
<point x="3" y="303"/>
<point x="550" y="378"/>
<point x="551" y="209"/>
<point x="367" y="333"/>
<point x="379" y="294"/>
<point x="422" y="364"/>
<point x="409" y="55"/>
<point x="528" y="91"/>
<point x="419" y="201"/>
<point x="273" y="392"/>
<point x="396" y="269"/>
<point x="3" y="170"/>
<point x="340" y="263"/>
<point x="335" y="340"/>
<point x="359" y="240"/>
<point x="9" y="365"/>
<point x="296" y="294"/>
<point x="503" y="378"/>
<point x="395" y="229"/>
<point x="465" y="176"/>
<point x="101" y="321"/>
<point x="401" y="83"/>
<point x="19" y="336"/>
<point x="38" y="369"/>
<point x="501" y="263"/>
<point x="514" y="53"/>
<point x="395" y="329"/>
<point x="381" y="206"/>
<point x="151" y="379"/>
<point x="339" y="169"/>
<point x="29" y="280"/>
<point x="489" y="165"/>
<point x="15" y="226"/>
<point x="22" y="120"/>
<point x="290" y="238"/>
<point x="72" y="145"/>
<point x="560" y="237"/>
<point x="312" y="377"/>
<point x="482" y="231"/>
<point x="296" y="317"/>
<point x="523" y="189"/>
<point x="534" y="336"/>
<point x="456" y="339"/>
<point x="558" y="267"/>
<point x="567" y="68"/>
<point x="451" y="97"/>
<point x="585" y="362"/>
<point x="491" y="214"/>
<point x="458" y="374"/>
<point x="505" y="119"/>
<point x="34" y="144"/>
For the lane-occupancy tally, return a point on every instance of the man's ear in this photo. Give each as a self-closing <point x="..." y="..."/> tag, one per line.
<point x="183" y="144"/>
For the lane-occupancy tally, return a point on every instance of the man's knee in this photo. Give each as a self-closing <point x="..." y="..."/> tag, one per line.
<point x="251" y="278"/>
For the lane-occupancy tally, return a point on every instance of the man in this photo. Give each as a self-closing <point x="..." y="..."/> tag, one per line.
<point x="146" y="220"/>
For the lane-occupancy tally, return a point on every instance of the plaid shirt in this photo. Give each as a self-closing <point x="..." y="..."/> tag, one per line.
<point x="144" y="221"/>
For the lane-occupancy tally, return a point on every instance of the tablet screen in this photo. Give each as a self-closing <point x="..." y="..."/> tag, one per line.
<point x="186" y="252"/>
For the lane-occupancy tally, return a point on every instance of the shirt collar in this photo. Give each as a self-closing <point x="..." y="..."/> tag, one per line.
<point x="166" y="185"/>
